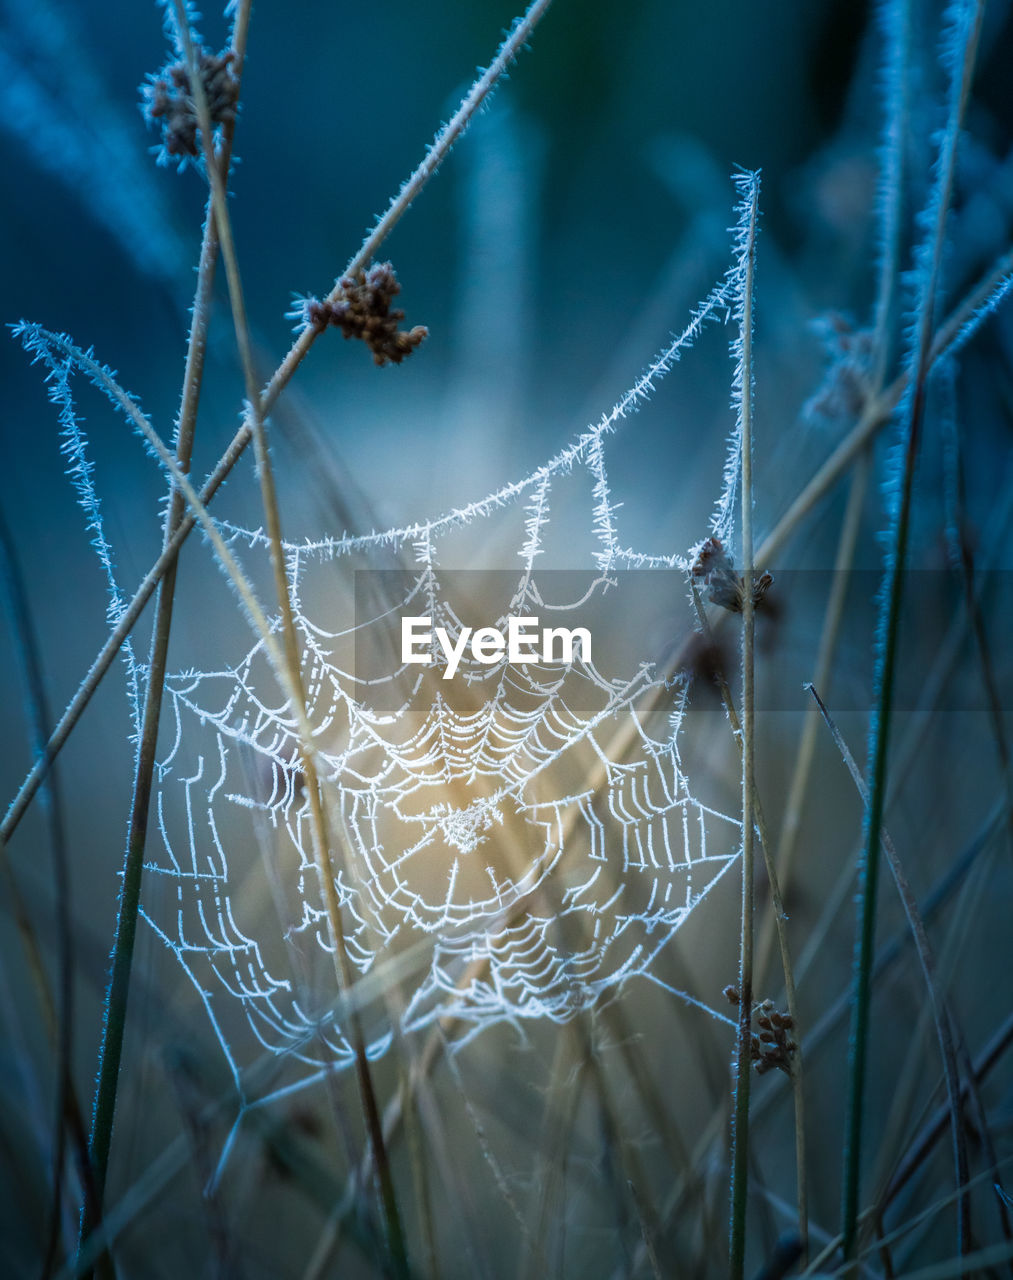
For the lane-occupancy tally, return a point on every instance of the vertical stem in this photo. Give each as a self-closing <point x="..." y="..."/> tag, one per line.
<point x="743" y="1052"/>
<point x="967" y="19"/>
<point x="321" y="835"/>
<point x="57" y="1016"/>
<point x="779" y="928"/>
<point x="797" y="791"/>
<point x="114" y="1022"/>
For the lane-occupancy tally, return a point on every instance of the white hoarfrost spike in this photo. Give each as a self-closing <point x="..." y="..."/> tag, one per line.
<point x="723" y="519"/>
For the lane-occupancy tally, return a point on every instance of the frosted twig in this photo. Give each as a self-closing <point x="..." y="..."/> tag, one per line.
<point x="779" y="918"/>
<point x="895" y="26"/>
<point x="42" y="340"/>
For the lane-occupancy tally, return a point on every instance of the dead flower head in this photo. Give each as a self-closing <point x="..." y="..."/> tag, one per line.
<point x="168" y="99"/>
<point x="713" y="569"/>
<point x="362" y="310"/>
<point x="771" y="1046"/>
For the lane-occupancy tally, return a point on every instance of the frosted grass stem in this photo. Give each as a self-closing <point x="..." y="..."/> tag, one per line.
<point x="966" y="18"/>
<point x="779" y="929"/>
<point x="749" y="184"/>
<point x="269" y="499"/>
<point x="117" y="995"/>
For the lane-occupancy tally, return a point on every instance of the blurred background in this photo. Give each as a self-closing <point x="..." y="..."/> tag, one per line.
<point x="569" y="234"/>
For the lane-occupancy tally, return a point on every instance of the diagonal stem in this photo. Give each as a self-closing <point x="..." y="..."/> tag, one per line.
<point x="943" y="1018"/>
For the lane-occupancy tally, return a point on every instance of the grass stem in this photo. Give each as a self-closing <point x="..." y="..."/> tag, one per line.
<point x="744" y="1040"/>
<point x="889" y="625"/>
<point x="117" y="996"/>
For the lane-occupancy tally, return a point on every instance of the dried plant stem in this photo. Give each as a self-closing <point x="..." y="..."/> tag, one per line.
<point x="941" y="1014"/>
<point x="781" y="932"/>
<point x="744" y="1040"/>
<point x="114" y="1021"/>
<point x="799" y="787"/>
<point x="889" y="628"/>
<point x="58" y="1016"/>
<point x="321" y="836"/>
<point x="126" y="923"/>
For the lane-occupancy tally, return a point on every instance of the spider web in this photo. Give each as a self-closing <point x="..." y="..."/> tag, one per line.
<point x="513" y="844"/>
<point x="510" y="845"/>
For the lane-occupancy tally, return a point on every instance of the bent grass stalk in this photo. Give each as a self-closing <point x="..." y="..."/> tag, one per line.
<point x="942" y="1015"/>
<point x="798" y="788"/>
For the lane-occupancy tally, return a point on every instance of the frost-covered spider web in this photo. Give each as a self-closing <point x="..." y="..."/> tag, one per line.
<point x="507" y="845"/>
<point x="510" y="844"/>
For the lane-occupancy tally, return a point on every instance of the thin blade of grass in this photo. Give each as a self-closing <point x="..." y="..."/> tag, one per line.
<point x="941" y="1014"/>
<point x="115" y="1012"/>
<point x="743" y="1052"/>
<point x="966" y="18"/>
<point x="57" y="1014"/>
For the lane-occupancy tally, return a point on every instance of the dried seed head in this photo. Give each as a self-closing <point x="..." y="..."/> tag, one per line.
<point x="712" y="567"/>
<point x="769" y="1047"/>
<point x="168" y="99"/>
<point x="362" y="310"/>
